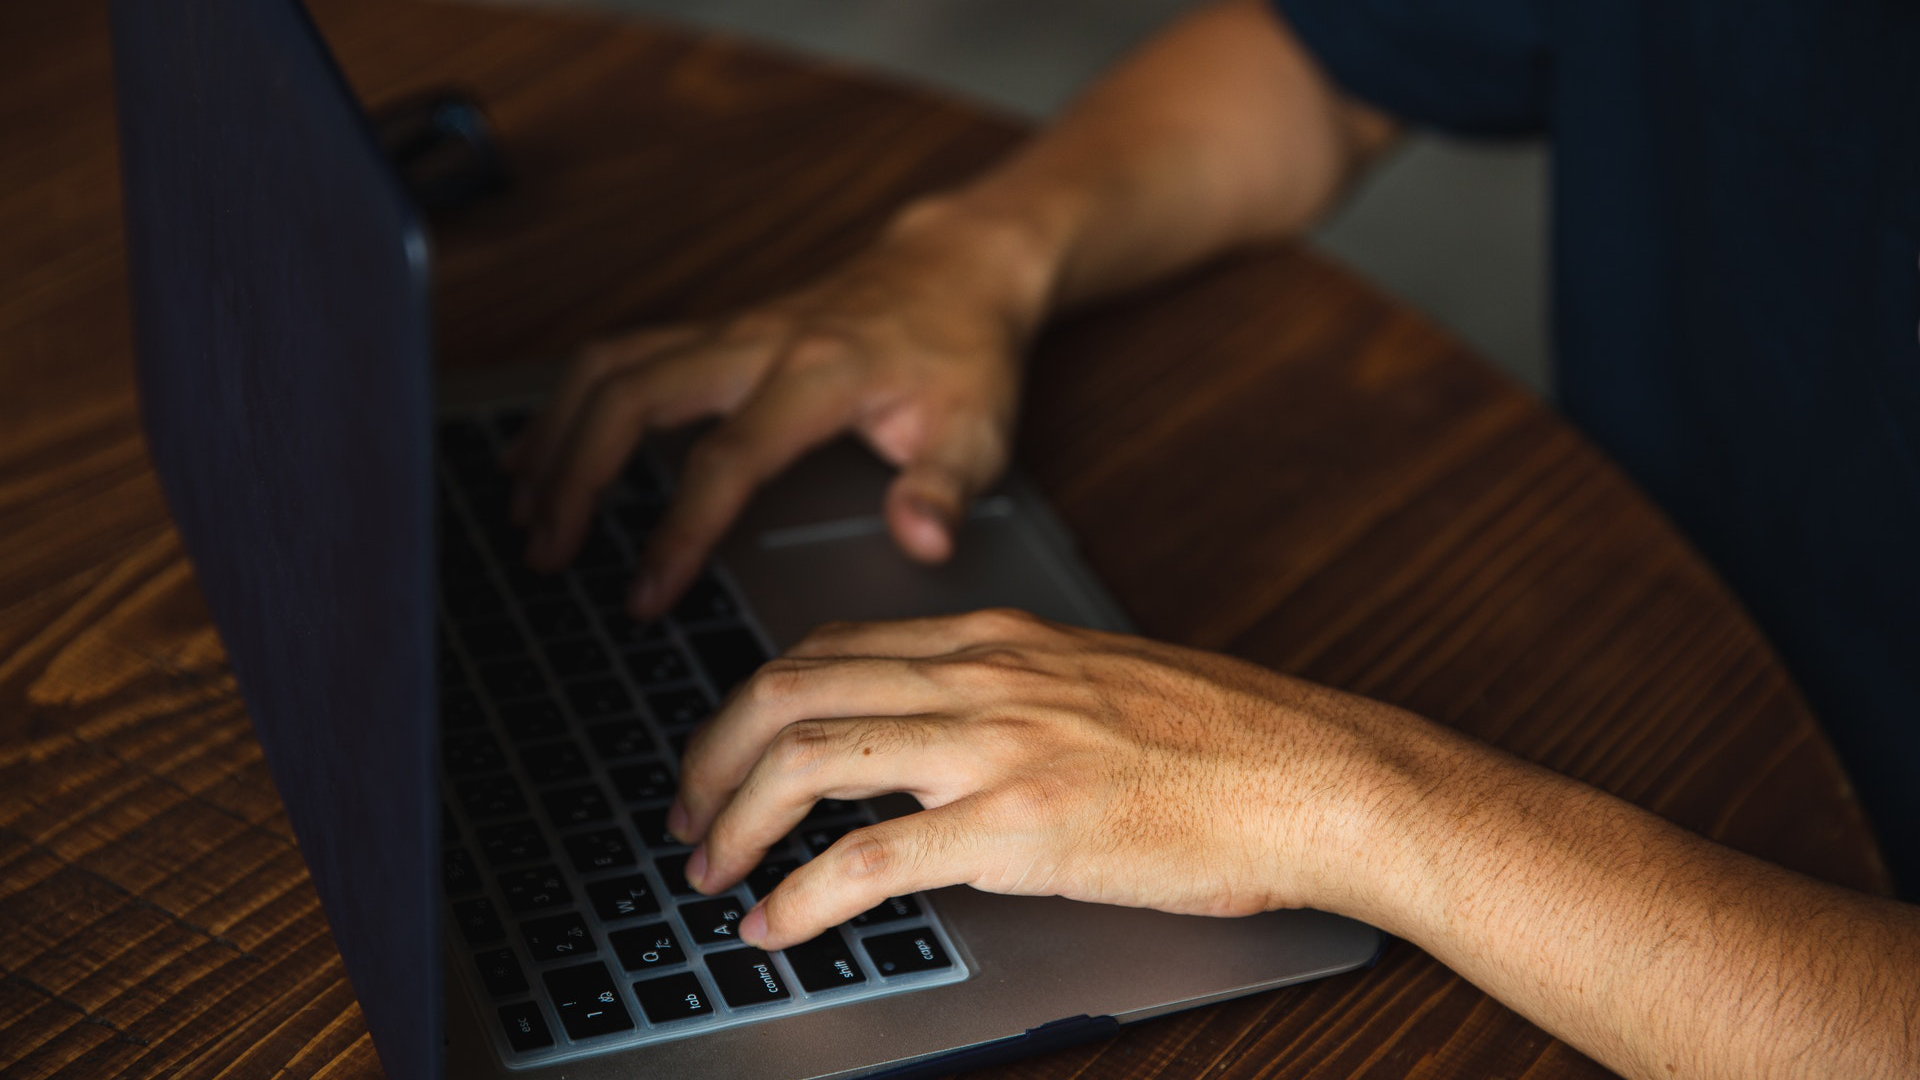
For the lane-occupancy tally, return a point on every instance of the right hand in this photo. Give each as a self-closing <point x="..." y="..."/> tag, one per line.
<point x="914" y="345"/>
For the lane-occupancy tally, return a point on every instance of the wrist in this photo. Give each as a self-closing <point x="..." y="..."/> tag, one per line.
<point x="1013" y="253"/>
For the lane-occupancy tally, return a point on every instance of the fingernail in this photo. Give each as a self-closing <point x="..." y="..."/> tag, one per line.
<point x="753" y="928"/>
<point x="697" y="867"/>
<point x="677" y="821"/>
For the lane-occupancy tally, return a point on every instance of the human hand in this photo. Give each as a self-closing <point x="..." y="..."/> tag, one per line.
<point x="1049" y="760"/>
<point x="913" y="345"/>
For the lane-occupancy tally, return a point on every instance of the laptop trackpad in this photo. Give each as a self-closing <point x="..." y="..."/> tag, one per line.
<point x="798" y="577"/>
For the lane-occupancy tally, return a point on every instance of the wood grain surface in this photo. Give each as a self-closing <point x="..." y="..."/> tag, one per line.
<point x="1267" y="457"/>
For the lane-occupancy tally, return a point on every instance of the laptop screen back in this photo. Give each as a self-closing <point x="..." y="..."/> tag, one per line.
<point x="279" y="283"/>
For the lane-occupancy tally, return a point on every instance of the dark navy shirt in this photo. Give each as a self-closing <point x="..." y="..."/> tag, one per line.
<point x="1736" y="239"/>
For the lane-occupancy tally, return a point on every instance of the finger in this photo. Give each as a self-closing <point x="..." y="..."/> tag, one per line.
<point x="927" y="850"/>
<point x="724" y="749"/>
<point x="928" y="500"/>
<point x="794" y="413"/>
<point x="531" y="455"/>
<point x="919" y="638"/>
<point x="669" y="390"/>
<point x="854" y="758"/>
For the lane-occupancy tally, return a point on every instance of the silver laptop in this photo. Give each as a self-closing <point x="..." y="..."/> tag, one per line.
<point x="476" y="760"/>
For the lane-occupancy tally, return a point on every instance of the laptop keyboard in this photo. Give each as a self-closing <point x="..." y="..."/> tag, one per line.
<point x="562" y="724"/>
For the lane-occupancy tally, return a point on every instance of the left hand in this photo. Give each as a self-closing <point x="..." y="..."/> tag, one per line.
<point x="1049" y="760"/>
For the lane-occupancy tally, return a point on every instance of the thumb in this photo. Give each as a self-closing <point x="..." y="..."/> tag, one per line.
<point x="924" y="508"/>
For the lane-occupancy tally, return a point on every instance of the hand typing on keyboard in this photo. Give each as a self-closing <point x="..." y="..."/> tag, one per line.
<point x="914" y="345"/>
<point x="1049" y="760"/>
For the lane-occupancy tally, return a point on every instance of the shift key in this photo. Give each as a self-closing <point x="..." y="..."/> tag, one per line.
<point x="824" y="963"/>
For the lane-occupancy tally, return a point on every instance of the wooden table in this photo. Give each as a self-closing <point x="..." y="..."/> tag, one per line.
<point x="1268" y="458"/>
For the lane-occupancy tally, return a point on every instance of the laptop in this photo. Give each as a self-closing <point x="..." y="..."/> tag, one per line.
<point x="475" y="759"/>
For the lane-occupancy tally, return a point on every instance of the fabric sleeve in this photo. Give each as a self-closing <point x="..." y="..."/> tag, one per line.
<point x="1470" y="67"/>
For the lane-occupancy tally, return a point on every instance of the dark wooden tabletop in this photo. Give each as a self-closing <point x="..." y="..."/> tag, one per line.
<point x="1267" y="457"/>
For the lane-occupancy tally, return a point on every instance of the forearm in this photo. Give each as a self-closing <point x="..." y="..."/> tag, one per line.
<point x="1660" y="954"/>
<point x="1219" y="132"/>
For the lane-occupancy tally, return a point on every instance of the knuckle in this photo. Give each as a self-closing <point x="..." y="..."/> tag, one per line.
<point x="1004" y="622"/>
<point x="865" y="854"/>
<point x="801" y="746"/>
<point x="775" y="681"/>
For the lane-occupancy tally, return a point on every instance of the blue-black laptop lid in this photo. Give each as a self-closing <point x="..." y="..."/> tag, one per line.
<point x="279" y="282"/>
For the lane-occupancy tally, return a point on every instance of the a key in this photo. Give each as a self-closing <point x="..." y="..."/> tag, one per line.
<point x="728" y="654"/>
<point x="531" y="890"/>
<point x="586" y="1001"/>
<point x="769" y="874"/>
<point x="680" y="708"/>
<point x="491" y="797"/>
<point x="706" y="600"/>
<point x="651" y="824"/>
<point x="574" y="658"/>
<point x="825" y="963"/>
<point x="531" y="721"/>
<point x="656" y="665"/>
<point x="558" y="617"/>
<point x="556" y="936"/>
<point x="501" y="973"/>
<point x="621" y="739"/>
<point x="673" y="997"/>
<point x="457" y="871"/>
<point x="906" y="952"/>
<point x="580" y="805"/>
<point x="466" y="753"/>
<point x="511" y="678"/>
<point x="593" y="699"/>
<point x="622" y="897"/>
<point x="715" y="921"/>
<point x="746" y="977"/>
<point x="550" y="763"/>
<point x="641" y="781"/>
<point x="513" y="842"/>
<point x="602" y="849"/>
<point x="892" y="909"/>
<point x="460" y="709"/>
<point x="673" y="871"/>
<point x="646" y="947"/>
<point x="819" y="838"/>
<point x="524" y="1026"/>
<point x="478" y="922"/>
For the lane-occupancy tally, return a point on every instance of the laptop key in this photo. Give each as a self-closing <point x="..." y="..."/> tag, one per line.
<point x="819" y="838"/>
<point x="656" y="665"/>
<point x="501" y="973"/>
<point x="556" y="936"/>
<point x="602" y="849"/>
<point x="673" y="872"/>
<point x="457" y="871"/>
<point x="597" y="699"/>
<point x="825" y="963"/>
<point x="460" y="709"/>
<point x="729" y="655"/>
<point x="513" y="842"/>
<point x="478" y="922"/>
<point x="509" y="678"/>
<point x="646" y="947"/>
<point x="621" y="739"/>
<point x="713" y="922"/>
<point x="768" y="875"/>
<point x="560" y="617"/>
<point x="531" y="890"/>
<point x="651" y="823"/>
<point x="576" y="806"/>
<point x="679" y="708"/>
<point x="586" y="1001"/>
<point x="550" y="763"/>
<point x="892" y="909"/>
<point x="491" y="797"/>
<point x="746" y="977"/>
<point x="906" y="952"/>
<point x="642" y="781"/>
<point x="525" y="1028"/>
<point x="706" y="600"/>
<point x="532" y="721"/>
<point x="673" y="997"/>
<point x="625" y="630"/>
<point x="493" y="639"/>
<point x="622" y="898"/>
<point x="577" y="657"/>
<point x="468" y="752"/>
